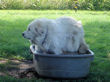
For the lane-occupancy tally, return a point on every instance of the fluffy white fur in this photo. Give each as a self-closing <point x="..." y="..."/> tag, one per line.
<point x="64" y="34"/>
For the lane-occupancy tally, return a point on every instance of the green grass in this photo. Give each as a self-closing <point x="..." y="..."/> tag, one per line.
<point x="97" y="34"/>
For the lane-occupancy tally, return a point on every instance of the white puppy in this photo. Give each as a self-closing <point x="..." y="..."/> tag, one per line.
<point x="58" y="36"/>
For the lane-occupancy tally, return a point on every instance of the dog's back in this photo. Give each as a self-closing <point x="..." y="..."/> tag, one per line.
<point x="71" y="33"/>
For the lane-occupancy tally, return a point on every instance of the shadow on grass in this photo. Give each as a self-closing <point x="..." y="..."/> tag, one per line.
<point x="13" y="67"/>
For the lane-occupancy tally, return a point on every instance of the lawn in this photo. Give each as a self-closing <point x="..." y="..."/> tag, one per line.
<point x="97" y="34"/>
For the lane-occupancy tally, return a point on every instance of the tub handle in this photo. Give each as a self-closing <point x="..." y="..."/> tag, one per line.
<point x="32" y="50"/>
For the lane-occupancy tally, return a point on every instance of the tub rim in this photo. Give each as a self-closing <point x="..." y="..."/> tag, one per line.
<point x="91" y="54"/>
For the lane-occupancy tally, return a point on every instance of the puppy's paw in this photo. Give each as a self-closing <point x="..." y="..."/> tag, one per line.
<point x="58" y="52"/>
<point x="83" y="49"/>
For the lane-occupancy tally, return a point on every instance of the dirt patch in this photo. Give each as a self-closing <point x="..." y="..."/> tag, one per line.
<point x="17" y="68"/>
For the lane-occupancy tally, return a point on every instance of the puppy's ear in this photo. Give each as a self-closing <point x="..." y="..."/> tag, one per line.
<point x="40" y="29"/>
<point x="36" y="30"/>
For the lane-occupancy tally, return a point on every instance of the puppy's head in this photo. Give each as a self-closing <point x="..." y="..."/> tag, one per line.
<point x="36" y="31"/>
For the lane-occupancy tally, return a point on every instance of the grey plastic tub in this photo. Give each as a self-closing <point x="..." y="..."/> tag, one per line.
<point x="62" y="66"/>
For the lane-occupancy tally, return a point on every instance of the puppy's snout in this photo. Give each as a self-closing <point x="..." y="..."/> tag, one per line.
<point x="22" y="34"/>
